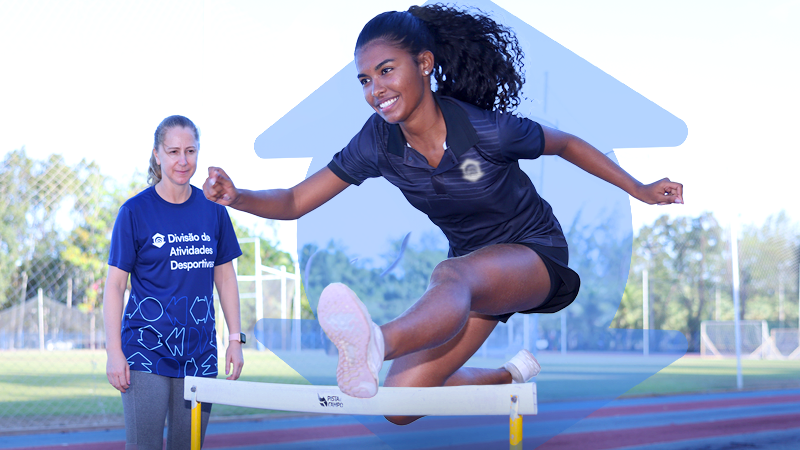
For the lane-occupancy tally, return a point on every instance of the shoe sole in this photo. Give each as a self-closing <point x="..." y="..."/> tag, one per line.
<point x="347" y="323"/>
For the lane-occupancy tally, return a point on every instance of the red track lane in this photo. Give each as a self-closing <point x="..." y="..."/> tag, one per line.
<point x="691" y="406"/>
<point x="282" y="436"/>
<point x="117" y="445"/>
<point x="604" y="440"/>
<point x="596" y="440"/>
<point x="241" y="439"/>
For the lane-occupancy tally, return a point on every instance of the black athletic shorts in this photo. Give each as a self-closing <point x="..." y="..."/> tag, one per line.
<point x="564" y="282"/>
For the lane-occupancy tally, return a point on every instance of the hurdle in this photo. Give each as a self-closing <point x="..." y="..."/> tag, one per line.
<point x="514" y="400"/>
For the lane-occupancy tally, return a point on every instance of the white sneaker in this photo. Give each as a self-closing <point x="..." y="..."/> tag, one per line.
<point x="349" y="326"/>
<point x="523" y="366"/>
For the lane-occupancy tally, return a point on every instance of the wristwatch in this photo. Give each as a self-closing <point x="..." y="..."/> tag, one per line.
<point x="241" y="337"/>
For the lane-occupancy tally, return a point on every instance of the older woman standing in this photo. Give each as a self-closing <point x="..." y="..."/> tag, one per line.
<point x="175" y="245"/>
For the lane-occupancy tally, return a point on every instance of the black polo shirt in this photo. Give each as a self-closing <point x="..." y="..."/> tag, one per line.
<point x="478" y="195"/>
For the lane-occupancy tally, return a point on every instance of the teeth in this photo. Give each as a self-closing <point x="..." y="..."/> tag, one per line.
<point x="387" y="103"/>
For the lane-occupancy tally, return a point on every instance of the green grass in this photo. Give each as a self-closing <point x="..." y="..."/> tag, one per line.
<point x="35" y="384"/>
<point x="60" y="389"/>
<point x="604" y="376"/>
<point x="692" y="374"/>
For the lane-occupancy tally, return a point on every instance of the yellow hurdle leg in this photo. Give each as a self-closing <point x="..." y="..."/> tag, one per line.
<point x="196" y="422"/>
<point x="515" y="425"/>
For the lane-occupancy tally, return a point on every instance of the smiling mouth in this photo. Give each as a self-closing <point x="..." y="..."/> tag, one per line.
<point x="387" y="103"/>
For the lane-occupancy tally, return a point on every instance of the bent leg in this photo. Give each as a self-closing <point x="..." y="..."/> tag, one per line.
<point x="446" y="325"/>
<point x="442" y="366"/>
<point x="494" y="280"/>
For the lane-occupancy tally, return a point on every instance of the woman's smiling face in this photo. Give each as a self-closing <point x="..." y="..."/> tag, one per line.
<point x="394" y="83"/>
<point x="177" y="156"/>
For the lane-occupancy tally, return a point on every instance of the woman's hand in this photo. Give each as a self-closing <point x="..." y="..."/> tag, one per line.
<point x="219" y="187"/>
<point x="662" y="192"/>
<point x="234" y="360"/>
<point x="118" y="371"/>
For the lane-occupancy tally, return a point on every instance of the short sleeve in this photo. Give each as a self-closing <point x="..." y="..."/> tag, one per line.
<point x="122" y="253"/>
<point x="359" y="159"/>
<point x="227" y="245"/>
<point x="520" y="138"/>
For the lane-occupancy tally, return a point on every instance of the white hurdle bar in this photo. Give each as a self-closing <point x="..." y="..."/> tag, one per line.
<point x="489" y="400"/>
<point x="390" y="401"/>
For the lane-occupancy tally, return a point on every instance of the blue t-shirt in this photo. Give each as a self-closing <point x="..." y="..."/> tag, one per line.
<point x="170" y="251"/>
<point x="478" y="195"/>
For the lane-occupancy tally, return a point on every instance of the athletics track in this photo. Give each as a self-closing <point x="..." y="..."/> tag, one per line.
<point x="751" y="420"/>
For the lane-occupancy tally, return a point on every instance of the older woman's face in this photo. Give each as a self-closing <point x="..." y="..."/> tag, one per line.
<point x="177" y="156"/>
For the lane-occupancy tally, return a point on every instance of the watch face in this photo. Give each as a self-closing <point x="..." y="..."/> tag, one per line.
<point x="243" y="337"/>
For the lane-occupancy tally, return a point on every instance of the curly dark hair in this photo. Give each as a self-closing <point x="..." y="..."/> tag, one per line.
<point x="476" y="60"/>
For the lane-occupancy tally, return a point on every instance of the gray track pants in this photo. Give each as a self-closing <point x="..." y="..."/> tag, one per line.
<point x="148" y="402"/>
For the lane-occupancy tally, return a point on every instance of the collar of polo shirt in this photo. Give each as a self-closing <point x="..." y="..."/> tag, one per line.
<point x="461" y="135"/>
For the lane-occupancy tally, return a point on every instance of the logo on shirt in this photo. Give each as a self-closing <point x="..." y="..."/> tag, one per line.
<point x="471" y="170"/>
<point x="158" y="240"/>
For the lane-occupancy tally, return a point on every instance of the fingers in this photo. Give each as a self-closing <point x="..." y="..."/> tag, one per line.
<point x="680" y="193"/>
<point x="235" y="368"/>
<point x="234" y="361"/>
<point x="121" y="380"/>
<point x="218" y="187"/>
<point x="124" y="384"/>
<point x="216" y="172"/>
<point x="672" y="192"/>
<point x="662" y="192"/>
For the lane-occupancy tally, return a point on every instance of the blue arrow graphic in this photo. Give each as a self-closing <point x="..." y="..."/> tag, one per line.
<point x="146" y="335"/>
<point x="177" y="337"/>
<point x="141" y="360"/>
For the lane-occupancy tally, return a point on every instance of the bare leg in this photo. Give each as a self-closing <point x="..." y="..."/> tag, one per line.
<point x="494" y="280"/>
<point x="433" y="338"/>
<point x="442" y="366"/>
<point x="469" y="376"/>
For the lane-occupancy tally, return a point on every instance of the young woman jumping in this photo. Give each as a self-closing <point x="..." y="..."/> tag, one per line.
<point x="454" y="154"/>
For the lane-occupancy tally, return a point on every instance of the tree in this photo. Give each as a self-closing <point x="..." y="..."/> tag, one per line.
<point x="15" y="179"/>
<point x="85" y="248"/>
<point x="37" y="195"/>
<point x="57" y="223"/>
<point x="689" y="263"/>
<point x="386" y="295"/>
<point x="768" y="267"/>
<point x="599" y="254"/>
<point x="686" y="261"/>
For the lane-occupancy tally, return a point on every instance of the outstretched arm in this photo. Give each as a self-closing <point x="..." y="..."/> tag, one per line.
<point x="579" y="152"/>
<point x="281" y="204"/>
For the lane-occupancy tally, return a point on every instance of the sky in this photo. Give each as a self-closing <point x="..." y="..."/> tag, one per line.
<point x="92" y="79"/>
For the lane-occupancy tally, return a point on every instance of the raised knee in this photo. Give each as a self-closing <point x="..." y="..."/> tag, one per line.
<point x="449" y="271"/>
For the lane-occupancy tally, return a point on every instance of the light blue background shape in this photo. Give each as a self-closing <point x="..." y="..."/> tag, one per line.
<point x="562" y="91"/>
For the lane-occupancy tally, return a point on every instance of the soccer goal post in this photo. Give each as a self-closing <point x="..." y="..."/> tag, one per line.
<point x="785" y="343"/>
<point x="717" y="339"/>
